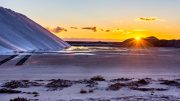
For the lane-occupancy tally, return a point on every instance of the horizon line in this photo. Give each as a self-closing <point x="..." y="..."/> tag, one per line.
<point x="106" y="40"/>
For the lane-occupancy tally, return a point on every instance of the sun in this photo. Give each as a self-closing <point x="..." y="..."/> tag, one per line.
<point x="138" y="38"/>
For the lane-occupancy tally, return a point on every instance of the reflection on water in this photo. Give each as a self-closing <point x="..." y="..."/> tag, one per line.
<point x="92" y="50"/>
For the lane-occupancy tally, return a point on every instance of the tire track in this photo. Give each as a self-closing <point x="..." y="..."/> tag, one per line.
<point x="23" y="60"/>
<point x="7" y="59"/>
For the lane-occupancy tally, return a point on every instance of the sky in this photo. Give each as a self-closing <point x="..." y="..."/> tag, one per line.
<point x="103" y="20"/>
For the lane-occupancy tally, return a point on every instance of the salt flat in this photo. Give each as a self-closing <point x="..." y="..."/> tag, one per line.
<point x="86" y="62"/>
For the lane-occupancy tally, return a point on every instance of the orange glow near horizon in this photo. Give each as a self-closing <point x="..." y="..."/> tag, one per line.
<point x="112" y="31"/>
<point x="117" y="34"/>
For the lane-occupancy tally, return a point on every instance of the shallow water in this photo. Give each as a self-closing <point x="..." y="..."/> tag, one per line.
<point x="80" y="62"/>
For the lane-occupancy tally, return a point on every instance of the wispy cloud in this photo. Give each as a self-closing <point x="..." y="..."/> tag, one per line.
<point x="94" y="29"/>
<point x="118" y="30"/>
<point x="147" y="19"/>
<point x="97" y="29"/>
<point x="107" y="30"/>
<point x="74" y="27"/>
<point x="57" y="29"/>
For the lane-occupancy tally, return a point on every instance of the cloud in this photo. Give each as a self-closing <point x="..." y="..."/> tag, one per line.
<point x="94" y="29"/>
<point x="73" y="27"/>
<point x="147" y="19"/>
<point x="108" y="30"/>
<point x="101" y="29"/>
<point x="118" y="30"/>
<point x="57" y="29"/>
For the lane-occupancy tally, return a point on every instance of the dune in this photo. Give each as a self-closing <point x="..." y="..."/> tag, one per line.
<point x="19" y="33"/>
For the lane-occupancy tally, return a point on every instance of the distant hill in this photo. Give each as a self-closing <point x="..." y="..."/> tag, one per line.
<point x="168" y="43"/>
<point x="148" y="41"/>
<point x="155" y="42"/>
<point x="151" y="41"/>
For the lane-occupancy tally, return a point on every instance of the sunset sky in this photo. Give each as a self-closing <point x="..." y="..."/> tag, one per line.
<point x="103" y="20"/>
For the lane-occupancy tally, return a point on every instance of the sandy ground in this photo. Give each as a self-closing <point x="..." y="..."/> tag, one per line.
<point x="79" y="64"/>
